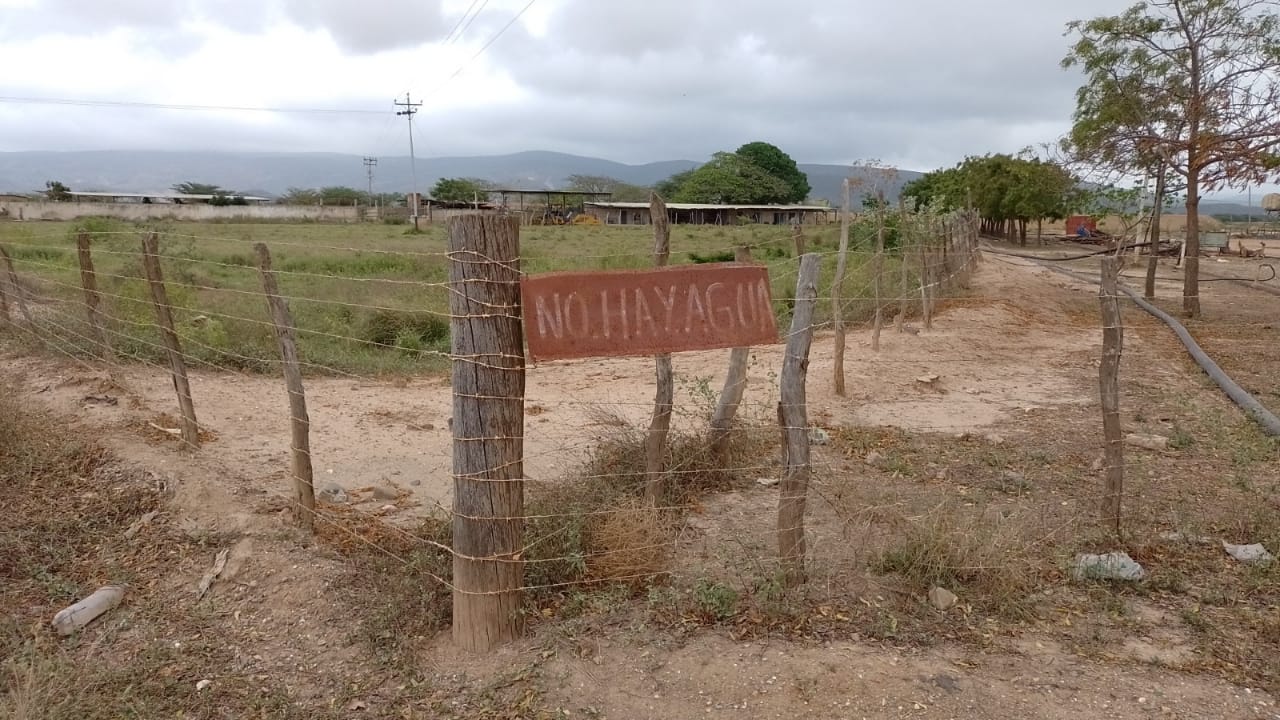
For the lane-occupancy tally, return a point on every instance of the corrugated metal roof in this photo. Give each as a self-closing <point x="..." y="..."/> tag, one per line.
<point x="712" y="206"/>
<point x="162" y="195"/>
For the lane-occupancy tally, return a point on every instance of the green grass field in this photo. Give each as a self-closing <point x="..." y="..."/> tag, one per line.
<point x="367" y="299"/>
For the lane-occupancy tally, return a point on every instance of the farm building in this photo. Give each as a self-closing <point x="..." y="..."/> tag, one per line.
<point x="637" y="213"/>
<point x="176" y="198"/>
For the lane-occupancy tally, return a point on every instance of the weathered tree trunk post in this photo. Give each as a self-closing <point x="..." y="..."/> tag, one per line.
<point x="655" y="447"/>
<point x="837" y="286"/>
<point x="1109" y="384"/>
<point x="926" y="275"/>
<point x="735" y="384"/>
<point x="92" y="300"/>
<point x="19" y="297"/>
<point x="4" y="300"/>
<point x="797" y="237"/>
<point x="1153" y="259"/>
<point x="487" y="340"/>
<point x="299" y="422"/>
<point x="164" y="318"/>
<point x="794" y="420"/>
<point x="904" y="238"/>
<point x="877" y="270"/>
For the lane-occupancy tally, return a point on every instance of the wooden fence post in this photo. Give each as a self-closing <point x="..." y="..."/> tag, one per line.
<point x="797" y="237"/>
<point x="19" y="297"/>
<point x="299" y="422"/>
<point x="655" y="446"/>
<point x="793" y="417"/>
<point x="877" y="271"/>
<point x="926" y="274"/>
<point x="92" y="300"/>
<point x="1109" y="385"/>
<point x="487" y="341"/>
<point x="164" y="318"/>
<point x="904" y="237"/>
<point x="837" y="312"/>
<point x="4" y="301"/>
<point x="735" y="384"/>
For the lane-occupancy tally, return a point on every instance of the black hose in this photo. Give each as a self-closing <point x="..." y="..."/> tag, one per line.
<point x="1254" y="409"/>
<point x="1216" y="278"/>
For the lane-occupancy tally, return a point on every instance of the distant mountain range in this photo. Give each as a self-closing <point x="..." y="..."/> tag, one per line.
<point x="275" y="173"/>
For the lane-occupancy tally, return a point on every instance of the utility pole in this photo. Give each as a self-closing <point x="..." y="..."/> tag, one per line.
<point x="369" y="164"/>
<point x="410" y="108"/>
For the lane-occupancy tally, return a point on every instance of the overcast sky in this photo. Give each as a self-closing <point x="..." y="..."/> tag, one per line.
<point x="914" y="83"/>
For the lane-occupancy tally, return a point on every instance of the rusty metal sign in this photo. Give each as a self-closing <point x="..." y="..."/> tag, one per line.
<point x="647" y="312"/>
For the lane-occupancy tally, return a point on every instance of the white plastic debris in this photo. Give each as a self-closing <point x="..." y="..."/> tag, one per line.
<point x="87" y="610"/>
<point x="1111" y="566"/>
<point x="1254" y="554"/>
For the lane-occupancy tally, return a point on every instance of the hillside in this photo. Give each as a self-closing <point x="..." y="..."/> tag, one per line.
<point x="274" y="173"/>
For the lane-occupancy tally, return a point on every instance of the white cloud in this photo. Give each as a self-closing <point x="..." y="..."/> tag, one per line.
<point x="922" y="83"/>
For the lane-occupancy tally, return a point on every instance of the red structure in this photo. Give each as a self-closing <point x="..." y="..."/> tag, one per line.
<point x="1075" y="222"/>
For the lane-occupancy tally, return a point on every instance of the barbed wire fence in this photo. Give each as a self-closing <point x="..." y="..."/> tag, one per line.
<point x="155" y="305"/>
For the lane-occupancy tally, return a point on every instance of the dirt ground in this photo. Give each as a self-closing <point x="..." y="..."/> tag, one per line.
<point x="1009" y="368"/>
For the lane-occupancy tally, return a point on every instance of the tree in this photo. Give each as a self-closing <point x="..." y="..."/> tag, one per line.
<point x="461" y="190"/>
<point x="773" y="161"/>
<point x="1041" y="190"/>
<point x="670" y="187"/>
<point x="621" y="191"/>
<point x="731" y="179"/>
<point x="195" y="188"/>
<point x="341" y="195"/>
<point x="56" y="191"/>
<point x="300" y="196"/>
<point x="1190" y="84"/>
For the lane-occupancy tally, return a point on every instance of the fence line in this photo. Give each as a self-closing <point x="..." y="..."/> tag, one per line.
<point x="487" y="475"/>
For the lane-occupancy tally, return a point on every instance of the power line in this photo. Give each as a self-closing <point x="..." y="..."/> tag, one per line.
<point x="473" y="19"/>
<point x="14" y="100"/>
<point x="491" y="40"/>
<point x="450" y="36"/>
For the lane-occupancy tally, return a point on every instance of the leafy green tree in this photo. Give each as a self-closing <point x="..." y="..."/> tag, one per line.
<point x="195" y="188"/>
<point x="300" y="196"/>
<point x="773" y="161"/>
<point x="341" y="195"/>
<point x="1193" y="84"/>
<point x="670" y="187"/>
<point x="461" y="190"/>
<point x="731" y="179"/>
<point x="56" y="191"/>
<point x="621" y="191"/>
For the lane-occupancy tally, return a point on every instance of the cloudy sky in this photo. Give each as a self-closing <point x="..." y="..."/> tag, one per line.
<point x="914" y="83"/>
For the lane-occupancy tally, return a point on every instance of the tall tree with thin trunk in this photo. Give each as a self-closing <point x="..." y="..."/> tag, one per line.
<point x="1194" y="84"/>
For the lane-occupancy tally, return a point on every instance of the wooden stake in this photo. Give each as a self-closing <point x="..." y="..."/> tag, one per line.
<point x="877" y="270"/>
<point x="793" y="419"/>
<point x="4" y="301"/>
<point x="487" y="340"/>
<point x="926" y="275"/>
<point x="837" y="285"/>
<point x="904" y="296"/>
<point x="92" y="301"/>
<point x="797" y="237"/>
<point x="655" y="447"/>
<point x="164" y="318"/>
<point x="735" y="384"/>
<point x="19" y="296"/>
<point x="299" y="423"/>
<point x="1109" y="384"/>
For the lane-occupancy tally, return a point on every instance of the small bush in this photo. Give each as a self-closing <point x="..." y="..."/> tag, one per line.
<point x="715" y="257"/>
<point x="978" y="553"/>
<point x="405" y="330"/>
